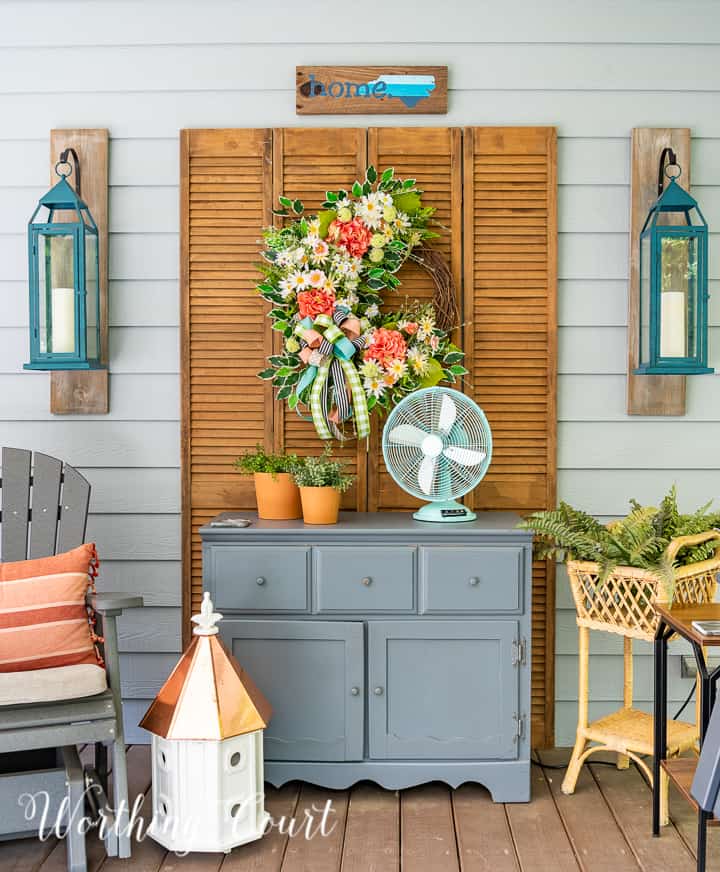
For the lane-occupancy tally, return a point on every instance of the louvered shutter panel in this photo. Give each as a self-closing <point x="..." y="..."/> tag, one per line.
<point x="226" y="196"/>
<point x="307" y="162"/>
<point x="510" y="271"/>
<point x="433" y="156"/>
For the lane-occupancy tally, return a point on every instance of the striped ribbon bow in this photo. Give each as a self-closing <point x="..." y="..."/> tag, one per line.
<point x="331" y="372"/>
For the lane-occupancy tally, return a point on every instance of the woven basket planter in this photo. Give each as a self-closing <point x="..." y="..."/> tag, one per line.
<point x="625" y="603"/>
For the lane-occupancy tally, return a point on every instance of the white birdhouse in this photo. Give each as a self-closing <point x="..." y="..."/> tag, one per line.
<point x="207" y="748"/>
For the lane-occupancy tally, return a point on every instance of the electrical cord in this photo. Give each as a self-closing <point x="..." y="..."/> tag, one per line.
<point x="687" y="701"/>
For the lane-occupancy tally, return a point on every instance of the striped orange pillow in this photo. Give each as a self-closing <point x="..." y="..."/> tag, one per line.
<point x="44" y="621"/>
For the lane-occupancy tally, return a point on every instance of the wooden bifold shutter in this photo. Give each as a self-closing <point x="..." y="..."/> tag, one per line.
<point x="494" y="190"/>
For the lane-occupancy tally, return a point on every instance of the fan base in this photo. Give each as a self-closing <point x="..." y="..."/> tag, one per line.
<point x="444" y="512"/>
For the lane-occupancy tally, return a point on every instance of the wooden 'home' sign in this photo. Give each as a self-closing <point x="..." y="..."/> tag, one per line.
<point x="371" y="90"/>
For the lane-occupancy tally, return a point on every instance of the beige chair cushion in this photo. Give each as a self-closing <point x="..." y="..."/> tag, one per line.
<point x="51" y="685"/>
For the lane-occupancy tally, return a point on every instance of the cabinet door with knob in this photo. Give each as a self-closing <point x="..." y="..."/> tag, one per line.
<point x="443" y="689"/>
<point x="312" y="673"/>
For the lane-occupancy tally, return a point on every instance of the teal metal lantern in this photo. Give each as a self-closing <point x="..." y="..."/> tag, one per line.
<point x="64" y="279"/>
<point x="673" y="282"/>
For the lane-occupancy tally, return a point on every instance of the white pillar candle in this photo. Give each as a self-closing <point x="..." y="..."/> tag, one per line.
<point x="63" y="320"/>
<point x="673" y="332"/>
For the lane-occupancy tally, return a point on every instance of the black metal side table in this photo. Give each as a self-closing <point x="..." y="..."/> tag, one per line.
<point x="681" y="770"/>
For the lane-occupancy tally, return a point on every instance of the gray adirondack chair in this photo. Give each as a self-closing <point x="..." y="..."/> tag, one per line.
<point x="43" y="512"/>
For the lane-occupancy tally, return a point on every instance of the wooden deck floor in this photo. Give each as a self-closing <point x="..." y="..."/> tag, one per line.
<point x="604" y="827"/>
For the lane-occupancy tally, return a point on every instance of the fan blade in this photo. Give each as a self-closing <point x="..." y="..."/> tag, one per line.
<point x="448" y="414"/>
<point x="464" y="456"/>
<point x="426" y="474"/>
<point x="407" y="434"/>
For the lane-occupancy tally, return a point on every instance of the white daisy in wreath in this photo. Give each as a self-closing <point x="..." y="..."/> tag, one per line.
<point x="375" y="387"/>
<point x="370" y="369"/>
<point x="370" y="210"/>
<point x="397" y="368"/>
<point x="372" y="311"/>
<point x="316" y="278"/>
<point x="417" y="360"/>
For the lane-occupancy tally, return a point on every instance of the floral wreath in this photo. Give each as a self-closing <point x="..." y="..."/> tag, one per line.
<point x="324" y="276"/>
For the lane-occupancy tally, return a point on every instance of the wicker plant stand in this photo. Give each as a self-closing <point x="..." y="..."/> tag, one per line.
<point x="625" y="605"/>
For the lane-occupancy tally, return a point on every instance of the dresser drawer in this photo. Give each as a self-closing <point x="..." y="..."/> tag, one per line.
<point x="367" y="579"/>
<point x="471" y="579"/>
<point x="256" y="579"/>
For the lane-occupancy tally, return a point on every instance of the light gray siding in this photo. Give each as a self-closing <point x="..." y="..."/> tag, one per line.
<point x="147" y="69"/>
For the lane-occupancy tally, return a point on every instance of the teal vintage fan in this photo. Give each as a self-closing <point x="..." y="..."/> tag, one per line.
<point x="437" y="446"/>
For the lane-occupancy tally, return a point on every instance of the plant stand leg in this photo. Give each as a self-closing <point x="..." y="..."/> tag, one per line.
<point x="575" y="764"/>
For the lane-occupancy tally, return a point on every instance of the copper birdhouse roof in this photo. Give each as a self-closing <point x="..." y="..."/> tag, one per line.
<point x="208" y="695"/>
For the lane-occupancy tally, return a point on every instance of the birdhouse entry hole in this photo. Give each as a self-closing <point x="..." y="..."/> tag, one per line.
<point x="235" y="760"/>
<point x="236" y="809"/>
<point x="163" y="760"/>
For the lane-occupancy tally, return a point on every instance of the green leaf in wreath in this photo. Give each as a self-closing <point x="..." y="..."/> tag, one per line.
<point x="371" y="175"/>
<point x="453" y="357"/>
<point x="285" y="392"/>
<point x="292" y="401"/>
<point x="284" y="371"/>
<point x="371" y="403"/>
<point x="433" y="375"/>
<point x="408" y="184"/>
<point x="331" y="196"/>
<point x="366" y="188"/>
<point x="458" y="370"/>
<point x="285" y="201"/>
<point x="376" y="273"/>
<point x="326" y="218"/>
<point x="387" y="174"/>
<point x="375" y="284"/>
<point x="357" y="189"/>
<point x="298" y="207"/>
<point x="267" y="374"/>
<point x="293" y="378"/>
<point x="277" y="359"/>
<point x="280" y="326"/>
<point x="408" y="202"/>
<point x="281" y="212"/>
<point x="276" y="314"/>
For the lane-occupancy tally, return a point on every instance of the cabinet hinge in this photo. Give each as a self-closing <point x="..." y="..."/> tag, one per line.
<point x="519" y="727"/>
<point x="519" y="652"/>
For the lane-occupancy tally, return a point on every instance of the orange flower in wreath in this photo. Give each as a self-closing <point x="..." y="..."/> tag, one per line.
<point x="386" y="346"/>
<point x="354" y="236"/>
<point x="315" y="302"/>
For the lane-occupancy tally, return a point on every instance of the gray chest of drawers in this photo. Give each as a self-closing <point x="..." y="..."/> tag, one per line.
<point x="390" y="649"/>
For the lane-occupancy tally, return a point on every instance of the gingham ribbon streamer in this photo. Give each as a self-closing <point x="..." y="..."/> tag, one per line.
<point x="342" y="373"/>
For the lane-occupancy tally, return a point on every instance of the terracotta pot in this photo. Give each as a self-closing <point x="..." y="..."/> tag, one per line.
<point x="278" y="497"/>
<point x="320" y="505"/>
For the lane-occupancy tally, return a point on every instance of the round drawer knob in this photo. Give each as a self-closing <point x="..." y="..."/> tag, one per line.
<point x="378" y="691"/>
<point x="260" y="580"/>
<point x="355" y="691"/>
<point x="367" y="581"/>
<point x="474" y="582"/>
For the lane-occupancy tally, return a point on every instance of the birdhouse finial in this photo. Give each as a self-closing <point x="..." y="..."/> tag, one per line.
<point x="207" y="619"/>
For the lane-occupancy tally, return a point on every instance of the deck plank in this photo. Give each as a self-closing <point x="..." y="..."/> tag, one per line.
<point x="25" y="855"/>
<point x="483" y="833"/>
<point x="308" y="850"/>
<point x="540" y="839"/>
<point x="267" y="854"/>
<point x="427" y="830"/>
<point x="372" y="832"/>
<point x="585" y="814"/>
<point x="630" y="801"/>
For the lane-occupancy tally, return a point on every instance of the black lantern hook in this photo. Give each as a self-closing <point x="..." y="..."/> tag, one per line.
<point x="669" y="155"/>
<point x="66" y="163"/>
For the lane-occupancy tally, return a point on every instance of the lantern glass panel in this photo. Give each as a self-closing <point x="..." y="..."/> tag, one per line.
<point x="91" y="298"/>
<point x="678" y="295"/>
<point x="644" y="298"/>
<point x="56" y="292"/>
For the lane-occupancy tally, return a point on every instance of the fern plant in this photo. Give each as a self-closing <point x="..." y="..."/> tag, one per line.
<point x="640" y="539"/>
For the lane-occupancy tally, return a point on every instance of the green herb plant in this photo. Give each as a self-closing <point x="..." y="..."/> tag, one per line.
<point x="640" y="539"/>
<point x="323" y="471"/>
<point x="260" y="461"/>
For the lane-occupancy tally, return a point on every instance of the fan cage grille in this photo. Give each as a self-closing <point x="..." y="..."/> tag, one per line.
<point x="470" y="430"/>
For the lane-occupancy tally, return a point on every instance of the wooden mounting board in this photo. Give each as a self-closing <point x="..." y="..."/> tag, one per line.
<point x="650" y="394"/>
<point x="86" y="392"/>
